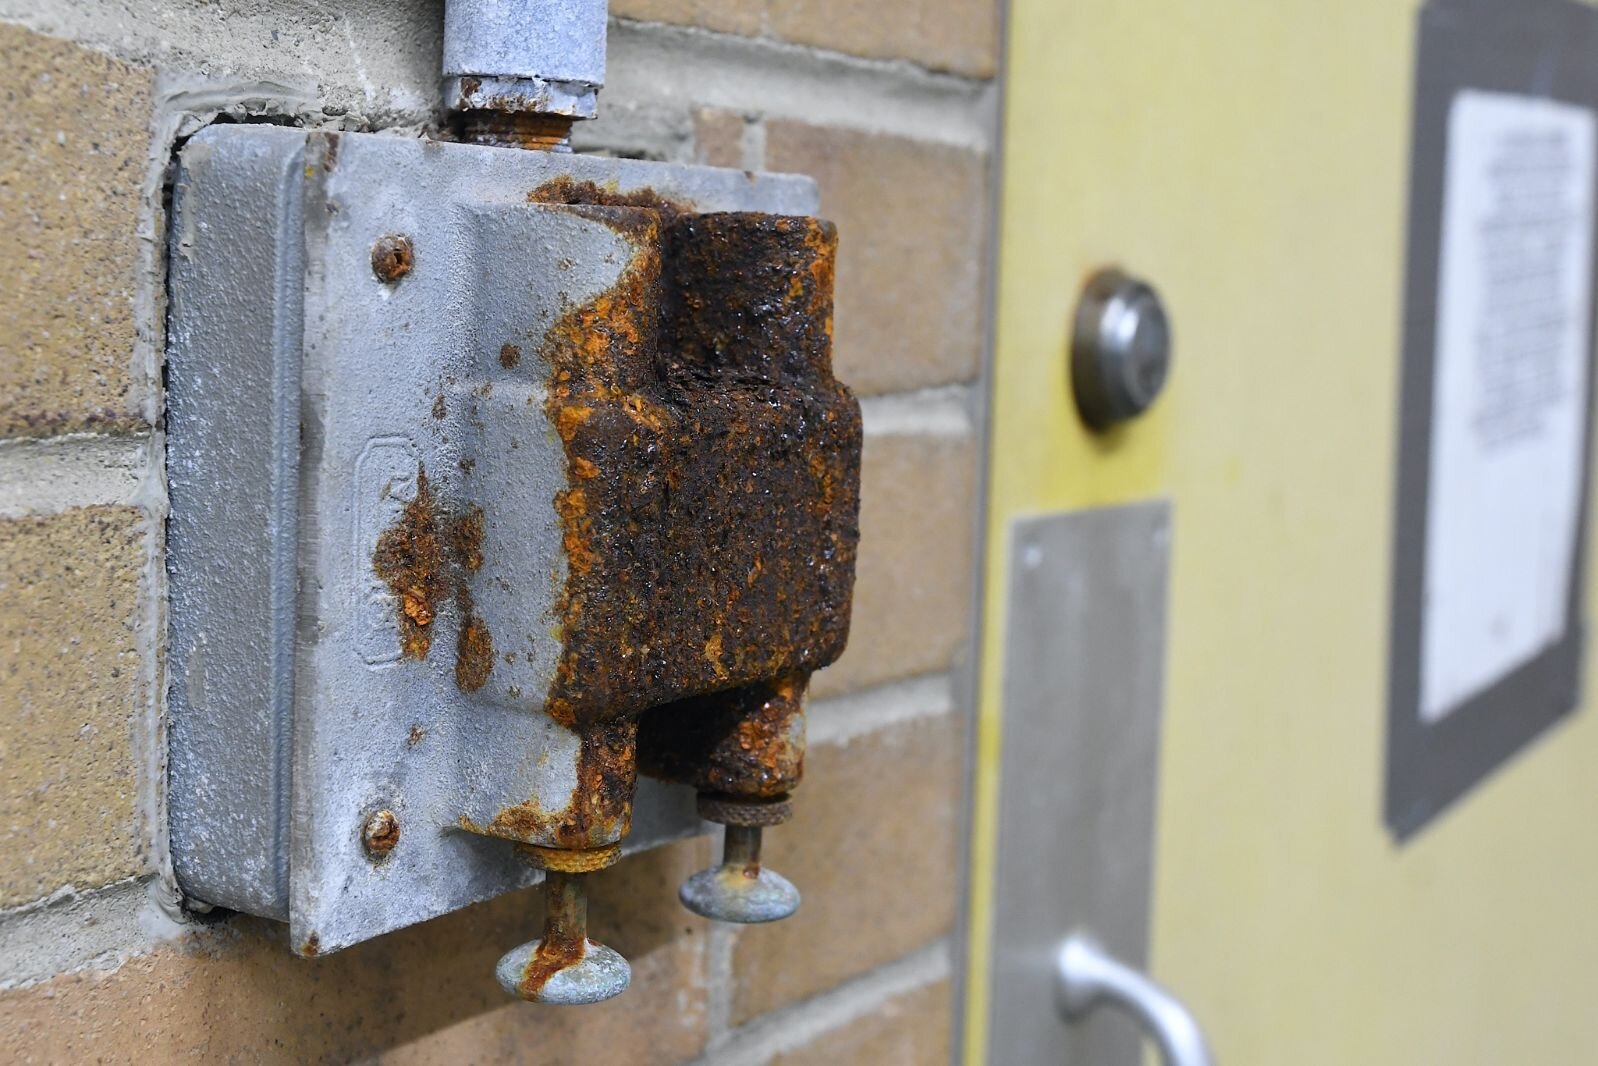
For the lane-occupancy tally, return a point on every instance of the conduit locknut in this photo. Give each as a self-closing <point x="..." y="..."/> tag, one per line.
<point x="380" y="833"/>
<point x="392" y="258"/>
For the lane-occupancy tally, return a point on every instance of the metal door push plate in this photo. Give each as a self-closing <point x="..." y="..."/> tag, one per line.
<point x="366" y="566"/>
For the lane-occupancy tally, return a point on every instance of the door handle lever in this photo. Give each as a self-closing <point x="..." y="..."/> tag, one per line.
<point x="1086" y="975"/>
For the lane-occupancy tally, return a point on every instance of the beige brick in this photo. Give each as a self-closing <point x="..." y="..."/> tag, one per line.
<point x="911" y="222"/>
<point x="960" y="36"/>
<point x="872" y="847"/>
<point x="73" y="140"/>
<point x="718" y="137"/>
<point x="912" y="1029"/>
<point x="743" y="17"/>
<point x="912" y="599"/>
<point x="69" y="680"/>
<point x="423" y="995"/>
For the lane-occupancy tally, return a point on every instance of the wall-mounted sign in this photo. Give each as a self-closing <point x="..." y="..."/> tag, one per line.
<point x="1495" y="420"/>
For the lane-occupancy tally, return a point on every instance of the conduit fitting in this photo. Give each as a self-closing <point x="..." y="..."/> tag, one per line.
<point x="518" y="73"/>
<point x="708" y="529"/>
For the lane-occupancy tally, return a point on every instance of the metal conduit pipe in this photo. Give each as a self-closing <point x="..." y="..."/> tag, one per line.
<point x="518" y="73"/>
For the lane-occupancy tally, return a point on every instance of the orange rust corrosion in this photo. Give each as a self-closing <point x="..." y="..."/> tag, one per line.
<point x="710" y="518"/>
<point x="425" y="558"/>
<point x="571" y="192"/>
<point x="410" y="559"/>
<point x="474" y="647"/>
<point x="601" y="808"/>
<point x="557" y="950"/>
<point x="565" y="939"/>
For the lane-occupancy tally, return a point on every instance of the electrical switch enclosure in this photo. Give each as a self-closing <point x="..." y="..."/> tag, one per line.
<point x="348" y="313"/>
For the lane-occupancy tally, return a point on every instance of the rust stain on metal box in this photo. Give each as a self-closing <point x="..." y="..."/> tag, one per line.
<point x="600" y="811"/>
<point x="710" y="517"/>
<point x="425" y="558"/>
<point x="410" y="559"/>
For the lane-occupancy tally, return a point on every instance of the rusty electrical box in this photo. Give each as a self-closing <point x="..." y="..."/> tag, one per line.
<point x="497" y="478"/>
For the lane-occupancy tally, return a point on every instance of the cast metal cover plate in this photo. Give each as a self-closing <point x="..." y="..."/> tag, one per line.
<point x="304" y="395"/>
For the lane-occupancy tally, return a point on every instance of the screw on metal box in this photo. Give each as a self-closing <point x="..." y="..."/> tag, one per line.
<point x="1120" y="348"/>
<point x="392" y="258"/>
<point x="380" y="833"/>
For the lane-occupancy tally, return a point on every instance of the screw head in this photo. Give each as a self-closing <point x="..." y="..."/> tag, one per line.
<point x="392" y="258"/>
<point x="380" y="833"/>
<point x="1120" y="349"/>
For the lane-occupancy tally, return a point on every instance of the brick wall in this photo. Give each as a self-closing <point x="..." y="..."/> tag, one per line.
<point x="890" y="106"/>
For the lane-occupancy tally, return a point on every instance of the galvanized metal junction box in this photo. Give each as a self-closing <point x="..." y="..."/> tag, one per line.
<point x="374" y="521"/>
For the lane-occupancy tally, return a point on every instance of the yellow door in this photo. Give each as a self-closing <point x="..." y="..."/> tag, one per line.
<point x="1251" y="160"/>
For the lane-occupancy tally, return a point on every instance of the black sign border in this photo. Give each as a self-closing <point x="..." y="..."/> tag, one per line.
<point x="1544" y="48"/>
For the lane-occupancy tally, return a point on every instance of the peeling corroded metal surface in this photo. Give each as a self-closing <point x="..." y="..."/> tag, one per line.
<point x="391" y="466"/>
<point x="710" y="519"/>
<point x="425" y="557"/>
<point x="596" y="811"/>
<point x="490" y="60"/>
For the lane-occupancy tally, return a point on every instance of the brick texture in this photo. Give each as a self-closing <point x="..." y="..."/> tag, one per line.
<point x="69" y="677"/>
<point x="912" y="1029"/>
<point x="913" y="576"/>
<point x="875" y="839"/>
<point x="718" y="137"/>
<point x="73" y="138"/>
<point x="743" y="17"/>
<point x="958" y="36"/>
<point x="872" y="847"/>
<point x="911" y="239"/>
<point x="424" y="995"/>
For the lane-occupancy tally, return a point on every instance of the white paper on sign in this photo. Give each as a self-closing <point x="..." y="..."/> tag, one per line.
<point x="1509" y="402"/>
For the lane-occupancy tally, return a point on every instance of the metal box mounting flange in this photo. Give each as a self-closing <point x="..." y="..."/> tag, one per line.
<point x="349" y="313"/>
